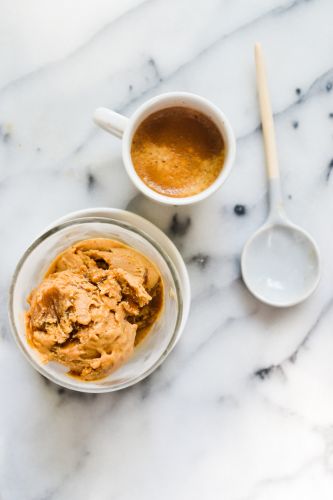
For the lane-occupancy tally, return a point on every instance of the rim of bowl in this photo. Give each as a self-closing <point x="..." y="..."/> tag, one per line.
<point x="90" y="388"/>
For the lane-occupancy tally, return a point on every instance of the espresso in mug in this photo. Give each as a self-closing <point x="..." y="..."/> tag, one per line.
<point x="178" y="152"/>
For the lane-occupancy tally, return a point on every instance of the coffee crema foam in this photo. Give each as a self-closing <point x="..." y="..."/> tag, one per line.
<point x="178" y="152"/>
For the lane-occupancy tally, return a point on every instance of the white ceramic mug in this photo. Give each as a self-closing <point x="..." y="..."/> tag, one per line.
<point x="125" y="128"/>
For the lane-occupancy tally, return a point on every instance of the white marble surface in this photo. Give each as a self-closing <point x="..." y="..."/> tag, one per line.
<point x="243" y="408"/>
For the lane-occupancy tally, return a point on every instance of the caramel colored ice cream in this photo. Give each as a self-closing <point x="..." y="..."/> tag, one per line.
<point x="97" y="301"/>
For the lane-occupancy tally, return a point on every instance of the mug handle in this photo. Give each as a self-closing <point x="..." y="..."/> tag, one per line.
<point x="111" y="121"/>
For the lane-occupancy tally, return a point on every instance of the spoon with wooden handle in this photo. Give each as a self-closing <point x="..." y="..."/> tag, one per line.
<point x="280" y="263"/>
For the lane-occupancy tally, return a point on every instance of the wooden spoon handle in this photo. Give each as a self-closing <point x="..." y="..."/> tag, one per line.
<point x="266" y="115"/>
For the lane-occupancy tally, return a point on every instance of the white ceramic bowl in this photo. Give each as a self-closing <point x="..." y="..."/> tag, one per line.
<point x="166" y="331"/>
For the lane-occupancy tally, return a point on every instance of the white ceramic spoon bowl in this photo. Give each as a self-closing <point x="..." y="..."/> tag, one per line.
<point x="280" y="264"/>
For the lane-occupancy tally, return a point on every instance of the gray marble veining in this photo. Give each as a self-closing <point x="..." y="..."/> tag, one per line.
<point x="243" y="408"/>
